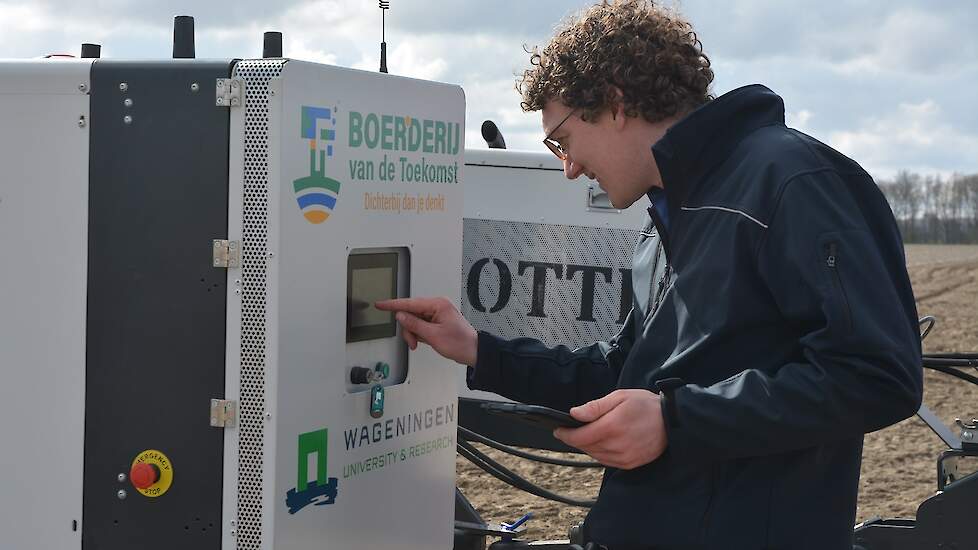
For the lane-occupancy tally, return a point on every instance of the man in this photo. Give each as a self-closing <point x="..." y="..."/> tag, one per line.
<point x="773" y="322"/>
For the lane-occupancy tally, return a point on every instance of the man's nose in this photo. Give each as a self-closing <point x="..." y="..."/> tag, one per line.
<point x="572" y="169"/>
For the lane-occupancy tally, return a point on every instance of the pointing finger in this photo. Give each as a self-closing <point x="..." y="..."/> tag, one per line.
<point x="424" y="307"/>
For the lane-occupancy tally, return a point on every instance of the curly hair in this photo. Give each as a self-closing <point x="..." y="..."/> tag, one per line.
<point x="652" y="55"/>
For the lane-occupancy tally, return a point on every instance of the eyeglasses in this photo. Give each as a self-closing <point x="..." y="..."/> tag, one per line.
<point x="552" y="144"/>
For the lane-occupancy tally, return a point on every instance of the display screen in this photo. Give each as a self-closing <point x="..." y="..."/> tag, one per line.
<point x="369" y="285"/>
<point x="370" y="277"/>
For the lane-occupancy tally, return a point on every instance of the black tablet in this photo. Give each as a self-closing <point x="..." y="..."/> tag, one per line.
<point x="542" y="417"/>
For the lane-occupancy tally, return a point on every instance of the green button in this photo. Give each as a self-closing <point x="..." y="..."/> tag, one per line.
<point x="384" y="369"/>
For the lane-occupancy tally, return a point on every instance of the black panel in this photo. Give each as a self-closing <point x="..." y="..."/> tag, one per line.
<point x="156" y="306"/>
<point x="508" y="432"/>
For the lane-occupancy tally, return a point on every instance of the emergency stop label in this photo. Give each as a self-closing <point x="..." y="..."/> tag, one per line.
<point x="165" y="467"/>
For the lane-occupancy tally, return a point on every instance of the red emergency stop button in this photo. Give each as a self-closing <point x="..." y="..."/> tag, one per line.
<point x="144" y="475"/>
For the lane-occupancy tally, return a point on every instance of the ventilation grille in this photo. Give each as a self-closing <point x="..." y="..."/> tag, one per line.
<point x="513" y="242"/>
<point x="251" y="432"/>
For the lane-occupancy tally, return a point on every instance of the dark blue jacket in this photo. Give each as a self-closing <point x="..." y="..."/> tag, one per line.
<point x="775" y="315"/>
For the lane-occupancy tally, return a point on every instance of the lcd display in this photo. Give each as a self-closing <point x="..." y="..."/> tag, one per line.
<point x="370" y="285"/>
<point x="370" y="277"/>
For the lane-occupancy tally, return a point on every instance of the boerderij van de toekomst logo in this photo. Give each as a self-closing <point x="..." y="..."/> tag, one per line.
<point x="317" y="193"/>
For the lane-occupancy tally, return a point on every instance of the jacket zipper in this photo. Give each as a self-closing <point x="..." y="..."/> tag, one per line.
<point x="832" y="261"/>
<point x="663" y="286"/>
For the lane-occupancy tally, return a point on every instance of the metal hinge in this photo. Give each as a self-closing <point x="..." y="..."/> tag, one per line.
<point x="226" y="253"/>
<point x="224" y="413"/>
<point x="229" y="92"/>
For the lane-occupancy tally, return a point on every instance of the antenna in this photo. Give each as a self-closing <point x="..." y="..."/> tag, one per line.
<point x="384" y="6"/>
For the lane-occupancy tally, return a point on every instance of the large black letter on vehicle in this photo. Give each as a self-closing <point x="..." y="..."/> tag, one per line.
<point x="587" y="287"/>
<point x="539" y="283"/>
<point x="475" y="279"/>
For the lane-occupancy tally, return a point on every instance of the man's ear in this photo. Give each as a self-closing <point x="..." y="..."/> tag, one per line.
<point x="617" y="106"/>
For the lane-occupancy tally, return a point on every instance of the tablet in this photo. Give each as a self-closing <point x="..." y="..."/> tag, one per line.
<point x="542" y="417"/>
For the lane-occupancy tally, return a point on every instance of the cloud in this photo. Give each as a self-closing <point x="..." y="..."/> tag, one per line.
<point x="850" y="72"/>
<point x="916" y="137"/>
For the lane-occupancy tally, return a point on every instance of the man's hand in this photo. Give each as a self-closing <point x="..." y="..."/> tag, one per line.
<point x="625" y="429"/>
<point x="436" y="322"/>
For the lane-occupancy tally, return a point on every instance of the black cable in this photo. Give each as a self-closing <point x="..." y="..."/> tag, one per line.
<point x="952" y="371"/>
<point x="931" y="321"/>
<point x="950" y="361"/>
<point x="470" y="435"/>
<point x="971" y="356"/>
<point x="513" y="479"/>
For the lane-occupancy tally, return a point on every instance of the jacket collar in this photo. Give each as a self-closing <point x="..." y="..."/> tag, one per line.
<point x="701" y="140"/>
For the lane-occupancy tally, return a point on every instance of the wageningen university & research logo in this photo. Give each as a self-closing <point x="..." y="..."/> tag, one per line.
<point x="316" y="193"/>
<point x="320" y="491"/>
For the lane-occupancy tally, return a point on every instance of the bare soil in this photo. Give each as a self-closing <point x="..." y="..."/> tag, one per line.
<point x="898" y="470"/>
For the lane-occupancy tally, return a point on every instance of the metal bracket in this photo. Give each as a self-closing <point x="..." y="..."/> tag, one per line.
<point x="229" y="92"/>
<point x="224" y="413"/>
<point x="598" y="201"/>
<point x="969" y="434"/>
<point x="226" y="253"/>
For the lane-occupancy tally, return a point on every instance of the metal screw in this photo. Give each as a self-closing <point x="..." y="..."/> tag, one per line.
<point x="121" y="477"/>
<point x="234" y="83"/>
<point x="81" y="121"/>
<point x="237" y="282"/>
<point x="234" y="522"/>
<point x="220" y="83"/>
<point x="194" y="87"/>
<point x="82" y="87"/>
<point x="234" y="101"/>
<point x="268" y="415"/>
<point x="127" y="119"/>
<point x="234" y="532"/>
<point x="271" y="254"/>
<point x="220" y="101"/>
<point x="271" y="92"/>
<point x="123" y="86"/>
<point x="127" y="102"/>
<point x="121" y="494"/>
<point x="237" y="292"/>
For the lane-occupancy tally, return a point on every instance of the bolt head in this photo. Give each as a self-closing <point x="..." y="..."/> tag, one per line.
<point x="121" y="494"/>
<point x="220" y="101"/>
<point x="127" y="119"/>
<point x="237" y="292"/>
<point x="123" y="86"/>
<point x="194" y="87"/>
<point x="82" y="87"/>
<point x="121" y="477"/>
<point x="127" y="102"/>
<point x="81" y="121"/>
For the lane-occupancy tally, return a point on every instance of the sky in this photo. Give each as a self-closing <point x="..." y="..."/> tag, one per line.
<point x="892" y="84"/>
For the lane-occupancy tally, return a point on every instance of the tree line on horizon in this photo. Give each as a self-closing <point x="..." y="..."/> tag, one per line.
<point x="934" y="209"/>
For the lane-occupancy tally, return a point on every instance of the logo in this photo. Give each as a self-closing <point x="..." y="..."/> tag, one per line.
<point x="320" y="491"/>
<point x="316" y="193"/>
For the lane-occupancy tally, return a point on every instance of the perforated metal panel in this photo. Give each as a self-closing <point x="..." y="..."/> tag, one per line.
<point x="565" y="320"/>
<point x="256" y="74"/>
